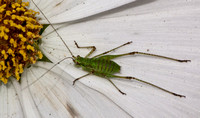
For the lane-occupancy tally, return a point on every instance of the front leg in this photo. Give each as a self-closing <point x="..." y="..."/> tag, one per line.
<point x="93" y="49"/>
<point x="80" y="78"/>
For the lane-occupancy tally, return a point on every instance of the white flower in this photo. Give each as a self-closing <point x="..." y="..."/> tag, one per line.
<point x="164" y="27"/>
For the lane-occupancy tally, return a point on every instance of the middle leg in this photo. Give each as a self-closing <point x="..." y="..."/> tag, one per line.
<point x="115" y="86"/>
<point x="113" y="49"/>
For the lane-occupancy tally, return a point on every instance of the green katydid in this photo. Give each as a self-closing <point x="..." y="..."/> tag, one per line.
<point x="103" y="66"/>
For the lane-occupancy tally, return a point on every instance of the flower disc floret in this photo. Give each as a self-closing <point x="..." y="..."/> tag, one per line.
<point x="19" y="35"/>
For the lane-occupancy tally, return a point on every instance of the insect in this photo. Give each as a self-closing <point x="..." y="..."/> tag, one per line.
<point x="102" y="65"/>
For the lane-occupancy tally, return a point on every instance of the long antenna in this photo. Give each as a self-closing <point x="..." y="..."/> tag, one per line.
<point x="54" y="29"/>
<point x="47" y="72"/>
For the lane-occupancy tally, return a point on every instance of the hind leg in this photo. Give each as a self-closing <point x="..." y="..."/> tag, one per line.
<point x="128" y="77"/>
<point x="142" y="53"/>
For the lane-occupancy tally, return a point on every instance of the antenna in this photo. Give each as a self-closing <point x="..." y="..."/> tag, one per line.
<point x="47" y="72"/>
<point x="54" y="29"/>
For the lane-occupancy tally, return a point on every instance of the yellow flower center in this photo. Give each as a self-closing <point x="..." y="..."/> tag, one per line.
<point x="19" y="35"/>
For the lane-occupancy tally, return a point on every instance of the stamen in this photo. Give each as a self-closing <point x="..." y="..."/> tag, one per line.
<point x="19" y="35"/>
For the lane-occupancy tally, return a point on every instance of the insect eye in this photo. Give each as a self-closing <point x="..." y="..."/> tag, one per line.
<point x="77" y="63"/>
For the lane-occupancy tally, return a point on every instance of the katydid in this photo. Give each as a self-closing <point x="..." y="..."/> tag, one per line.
<point x="102" y="65"/>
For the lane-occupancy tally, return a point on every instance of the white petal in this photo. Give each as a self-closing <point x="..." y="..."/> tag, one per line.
<point x="156" y="7"/>
<point x="173" y="33"/>
<point x="58" y="11"/>
<point x="53" y="95"/>
<point x="10" y="103"/>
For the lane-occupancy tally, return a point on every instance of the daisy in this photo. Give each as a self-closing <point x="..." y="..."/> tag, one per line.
<point x="162" y="27"/>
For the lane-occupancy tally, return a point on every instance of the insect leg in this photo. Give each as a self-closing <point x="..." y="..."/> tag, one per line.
<point x="142" y="53"/>
<point x="80" y="78"/>
<point x="115" y="86"/>
<point x="93" y="48"/>
<point x="132" y="53"/>
<point x="113" y="49"/>
<point x="128" y="77"/>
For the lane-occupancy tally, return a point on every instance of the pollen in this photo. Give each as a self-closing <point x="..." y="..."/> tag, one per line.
<point x="19" y="35"/>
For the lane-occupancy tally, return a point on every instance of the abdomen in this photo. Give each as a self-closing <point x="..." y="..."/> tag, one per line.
<point x="100" y="66"/>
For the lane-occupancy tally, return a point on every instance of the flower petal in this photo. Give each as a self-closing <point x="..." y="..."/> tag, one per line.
<point x="10" y="103"/>
<point x="58" y="11"/>
<point x="154" y="7"/>
<point x="53" y="95"/>
<point x="173" y="33"/>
